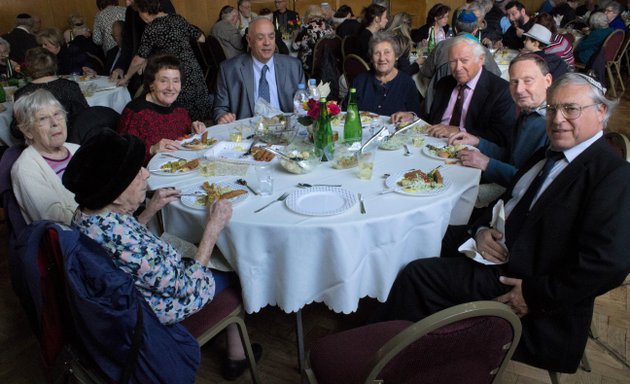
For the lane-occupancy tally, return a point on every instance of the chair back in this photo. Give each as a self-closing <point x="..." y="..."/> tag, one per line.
<point x="91" y="121"/>
<point x="349" y="45"/>
<point x="353" y="65"/>
<point x="612" y="45"/>
<point x="216" y="49"/>
<point x="97" y="64"/>
<point x="470" y="343"/>
<point x="332" y="45"/>
<point x="623" y="50"/>
<point x="619" y="143"/>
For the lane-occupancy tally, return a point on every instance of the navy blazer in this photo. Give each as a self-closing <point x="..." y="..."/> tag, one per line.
<point x="572" y="247"/>
<point x="235" y="85"/>
<point x="491" y="114"/>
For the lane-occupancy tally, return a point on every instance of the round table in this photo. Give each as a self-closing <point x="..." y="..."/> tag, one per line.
<point x="290" y="260"/>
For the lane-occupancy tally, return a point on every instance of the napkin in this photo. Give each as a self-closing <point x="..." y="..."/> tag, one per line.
<point x="469" y="248"/>
<point x="324" y="89"/>
<point x="264" y="108"/>
<point x="558" y="19"/>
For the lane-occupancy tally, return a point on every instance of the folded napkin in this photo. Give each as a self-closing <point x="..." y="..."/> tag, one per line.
<point x="469" y="248"/>
<point x="264" y="108"/>
<point x="324" y="89"/>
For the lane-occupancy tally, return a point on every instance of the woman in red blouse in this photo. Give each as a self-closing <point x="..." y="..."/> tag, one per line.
<point x="156" y="118"/>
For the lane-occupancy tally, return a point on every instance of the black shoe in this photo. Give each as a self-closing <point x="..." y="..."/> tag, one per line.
<point x="232" y="369"/>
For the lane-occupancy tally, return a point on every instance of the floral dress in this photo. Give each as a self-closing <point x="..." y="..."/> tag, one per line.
<point x="174" y="287"/>
<point x="173" y="34"/>
<point x="307" y="38"/>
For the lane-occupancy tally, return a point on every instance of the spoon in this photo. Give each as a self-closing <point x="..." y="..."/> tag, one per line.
<point x="407" y="152"/>
<point x="244" y="183"/>
<point x="306" y="185"/>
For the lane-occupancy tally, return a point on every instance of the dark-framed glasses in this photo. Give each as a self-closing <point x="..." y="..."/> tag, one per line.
<point x="569" y="111"/>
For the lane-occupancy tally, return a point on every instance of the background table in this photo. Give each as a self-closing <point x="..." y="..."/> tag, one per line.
<point x="291" y="260"/>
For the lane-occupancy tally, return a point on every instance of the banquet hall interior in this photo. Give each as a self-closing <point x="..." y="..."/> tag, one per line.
<point x="609" y="353"/>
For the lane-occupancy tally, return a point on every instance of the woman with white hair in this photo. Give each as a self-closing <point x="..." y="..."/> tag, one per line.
<point x="8" y="67"/>
<point x="591" y="43"/>
<point x="314" y="29"/>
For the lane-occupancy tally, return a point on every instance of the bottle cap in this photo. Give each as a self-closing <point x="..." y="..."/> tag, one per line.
<point x="353" y="89"/>
<point x="301" y="86"/>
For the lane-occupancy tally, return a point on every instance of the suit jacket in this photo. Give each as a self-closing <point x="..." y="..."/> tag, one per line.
<point x="229" y="37"/>
<point x="21" y="41"/>
<point x="110" y="59"/>
<point x="572" y="247"/>
<point x="235" y="85"/>
<point x="491" y="115"/>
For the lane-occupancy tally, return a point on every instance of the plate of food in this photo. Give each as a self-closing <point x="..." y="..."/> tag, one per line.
<point x="444" y="152"/>
<point x="240" y="152"/>
<point x="320" y="201"/>
<point x="416" y="182"/>
<point x="176" y="167"/>
<point x="367" y="117"/>
<point x="201" y="195"/>
<point x="198" y="142"/>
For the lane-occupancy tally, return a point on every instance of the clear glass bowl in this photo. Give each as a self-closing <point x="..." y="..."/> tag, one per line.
<point x="311" y="158"/>
<point x="278" y="130"/>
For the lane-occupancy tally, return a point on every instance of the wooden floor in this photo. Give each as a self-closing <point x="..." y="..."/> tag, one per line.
<point x="19" y="359"/>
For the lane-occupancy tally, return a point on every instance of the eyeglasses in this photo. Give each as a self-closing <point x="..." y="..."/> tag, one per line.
<point x="48" y="120"/>
<point x="569" y="111"/>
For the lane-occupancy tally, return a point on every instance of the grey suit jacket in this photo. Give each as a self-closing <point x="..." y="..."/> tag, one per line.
<point x="229" y="37"/>
<point x="235" y="85"/>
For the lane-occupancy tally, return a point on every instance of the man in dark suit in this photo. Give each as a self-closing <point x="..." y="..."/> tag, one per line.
<point x="566" y="241"/>
<point x="239" y="83"/>
<point x="21" y="38"/>
<point x="282" y="15"/>
<point x="486" y="110"/>
<point x="521" y="22"/>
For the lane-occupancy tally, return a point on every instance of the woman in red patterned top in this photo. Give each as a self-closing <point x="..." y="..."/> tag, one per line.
<point x="156" y="118"/>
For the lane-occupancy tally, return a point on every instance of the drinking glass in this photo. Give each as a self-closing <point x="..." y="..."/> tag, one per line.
<point x="264" y="177"/>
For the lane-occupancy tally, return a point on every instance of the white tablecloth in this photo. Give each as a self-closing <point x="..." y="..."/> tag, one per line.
<point x="106" y="95"/>
<point x="290" y="260"/>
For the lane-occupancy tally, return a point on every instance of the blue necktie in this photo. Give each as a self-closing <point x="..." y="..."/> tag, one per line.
<point x="519" y="214"/>
<point x="263" y="85"/>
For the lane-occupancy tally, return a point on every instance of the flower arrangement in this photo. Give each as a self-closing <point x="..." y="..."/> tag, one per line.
<point x="293" y="25"/>
<point x="311" y="106"/>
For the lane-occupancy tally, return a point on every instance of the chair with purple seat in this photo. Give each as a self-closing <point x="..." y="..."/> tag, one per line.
<point x="471" y="343"/>
<point x="353" y="65"/>
<point x="215" y="316"/>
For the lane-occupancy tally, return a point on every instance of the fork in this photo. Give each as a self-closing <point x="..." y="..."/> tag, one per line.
<point x="281" y="198"/>
<point x="173" y="156"/>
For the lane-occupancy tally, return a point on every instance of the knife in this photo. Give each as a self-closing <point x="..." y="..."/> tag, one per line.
<point x="361" y="203"/>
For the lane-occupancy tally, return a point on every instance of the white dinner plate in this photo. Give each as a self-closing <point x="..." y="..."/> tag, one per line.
<point x="320" y="201"/>
<point x="156" y="169"/>
<point x="191" y="201"/>
<point x="432" y="155"/>
<point x="233" y="152"/>
<point x="391" y="182"/>
<point x="191" y="138"/>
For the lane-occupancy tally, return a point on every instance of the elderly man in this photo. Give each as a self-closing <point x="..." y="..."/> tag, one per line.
<point x="521" y="22"/>
<point x="226" y="31"/>
<point x="529" y="80"/>
<point x="472" y="99"/>
<point x="246" y="15"/>
<point x="282" y="15"/>
<point x="613" y="14"/>
<point x="21" y="37"/>
<point x="262" y="74"/>
<point x="566" y="237"/>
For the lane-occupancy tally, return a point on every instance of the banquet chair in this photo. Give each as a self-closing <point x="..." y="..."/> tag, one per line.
<point x="327" y="63"/>
<point x="353" y="65"/>
<point x="620" y="144"/>
<point x="615" y="64"/>
<point x="471" y="343"/>
<point x="214" y="317"/>
<point x="600" y="64"/>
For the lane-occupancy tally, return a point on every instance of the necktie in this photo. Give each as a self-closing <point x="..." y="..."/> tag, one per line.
<point x="456" y="117"/>
<point x="263" y="85"/>
<point x="521" y="210"/>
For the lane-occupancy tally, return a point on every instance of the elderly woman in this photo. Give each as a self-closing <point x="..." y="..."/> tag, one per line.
<point x="109" y="183"/>
<point x="70" y="58"/>
<point x="313" y="30"/>
<point x="591" y="43"/>
<point x="41" y="66"/>
<point x="374" y="19"/>
<point x="436" y="18"/>
<point x="171" y="33"/>
<point x="156" y="118"/>
<point x="385" y="90"/>
<point x="226" y="31"/>
<point x="245" y="15"/>
<point x="8" y="67"/>
<point x="36" y="175"/>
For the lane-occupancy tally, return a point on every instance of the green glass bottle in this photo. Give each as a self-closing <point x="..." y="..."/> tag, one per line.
<point x="3" y="96"/>
<point x="352" y="127"/>
<point x="431" y="43"/>
<point x="323" y="132"/>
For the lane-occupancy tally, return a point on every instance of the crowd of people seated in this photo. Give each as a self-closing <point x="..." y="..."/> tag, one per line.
<point x="150" y="48"/>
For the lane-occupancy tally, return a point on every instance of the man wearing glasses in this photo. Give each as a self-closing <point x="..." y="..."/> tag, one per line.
<point x="566" y="237"/>
<point x="613" y="14"/>
<point x="282" y="15"/>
